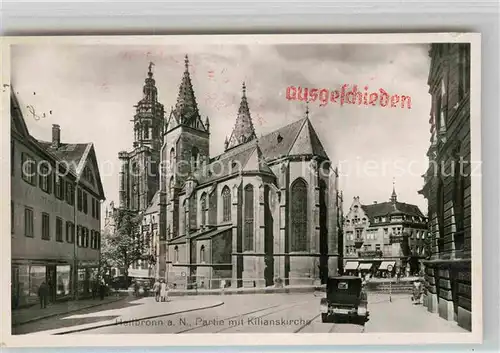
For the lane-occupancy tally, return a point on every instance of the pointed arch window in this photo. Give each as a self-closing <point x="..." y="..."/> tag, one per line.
<point x="202" y="254"/>
<point x="226" y="204"/>
<point x="176" y="254"/>
<point x="212" y="208"/>
<point x="203" y="205"/>
<point x="299" y="216"/>
<point x="195" y="156"/>
<point x="249" y="218"/>
<point x="172" y="157"/>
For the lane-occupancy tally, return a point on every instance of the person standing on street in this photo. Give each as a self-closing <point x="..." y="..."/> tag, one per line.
<point x="156" y="290"/>
<point x="102" y="289"/>
<point x="163" y="291"/>
<point x="43" y="293"/>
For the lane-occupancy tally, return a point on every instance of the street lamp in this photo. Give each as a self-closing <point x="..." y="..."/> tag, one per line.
<point x="389" y="269"/>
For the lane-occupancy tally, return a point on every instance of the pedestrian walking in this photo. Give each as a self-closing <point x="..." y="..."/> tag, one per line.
<point x="222" y="286"/>
<point x="156" y="290"/>
<point x="102" y="289"/>
<point x="163" y="291"/>
<point x="43" y="293"/>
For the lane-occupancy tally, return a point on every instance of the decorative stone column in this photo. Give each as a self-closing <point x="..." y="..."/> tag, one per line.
<point x="283" y="261"/>
<point x="260" y="235"/>
<point x="236" y="257"/>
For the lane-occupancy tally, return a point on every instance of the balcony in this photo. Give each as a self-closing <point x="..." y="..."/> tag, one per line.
<point x="397" y="238"/>
<point x="371" y="253"/>
<point x="358" y="242"/>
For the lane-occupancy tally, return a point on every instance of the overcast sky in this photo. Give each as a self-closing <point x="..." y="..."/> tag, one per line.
<point x="91" y="91"/>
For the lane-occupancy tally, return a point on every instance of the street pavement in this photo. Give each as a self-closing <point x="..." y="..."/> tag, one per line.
<point x="257" y="313"/>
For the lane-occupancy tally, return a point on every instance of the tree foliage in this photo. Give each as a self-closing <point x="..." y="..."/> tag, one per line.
<point x="125" y="244"/>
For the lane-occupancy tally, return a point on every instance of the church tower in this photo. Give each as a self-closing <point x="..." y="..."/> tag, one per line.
<point x="185" y="147"/>
<point x="139" y="176"/>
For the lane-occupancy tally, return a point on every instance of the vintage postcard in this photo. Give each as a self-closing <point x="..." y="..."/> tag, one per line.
<point x="246" y="190"/>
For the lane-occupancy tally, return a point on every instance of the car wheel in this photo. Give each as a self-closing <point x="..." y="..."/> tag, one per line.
<point x="324" y="317"/>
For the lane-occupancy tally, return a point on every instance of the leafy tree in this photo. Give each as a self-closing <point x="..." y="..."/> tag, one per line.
<point x="125" y="244"/>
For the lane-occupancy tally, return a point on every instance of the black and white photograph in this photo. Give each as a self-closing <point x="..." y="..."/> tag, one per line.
<point x="266" y="185"/>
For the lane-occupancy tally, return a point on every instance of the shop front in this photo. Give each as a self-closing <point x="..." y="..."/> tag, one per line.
<point x="351" y="268"/>
<point x="27" y="278"/>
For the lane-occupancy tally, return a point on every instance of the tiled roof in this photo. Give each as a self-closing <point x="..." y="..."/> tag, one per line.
<point x="387" y="208"/>
<point x="70" y="153"/>
<point x="229" y="163"/>
<point x="297" y="138"/>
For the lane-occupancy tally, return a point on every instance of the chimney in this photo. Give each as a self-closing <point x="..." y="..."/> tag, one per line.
<point x="56" y="136"/>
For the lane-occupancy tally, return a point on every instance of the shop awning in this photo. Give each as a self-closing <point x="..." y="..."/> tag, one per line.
<point x="365" y="266"/>
<point x="385" y="264"/>
<point x="351" y="265"/>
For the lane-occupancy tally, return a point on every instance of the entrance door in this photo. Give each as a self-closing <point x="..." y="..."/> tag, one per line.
<point x="50" y="275"/>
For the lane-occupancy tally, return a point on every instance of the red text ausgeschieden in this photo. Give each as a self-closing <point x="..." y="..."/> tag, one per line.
<point x="349" y="95"/>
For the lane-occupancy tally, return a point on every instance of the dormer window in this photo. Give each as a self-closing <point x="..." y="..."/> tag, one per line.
<point x="279" y="138"/>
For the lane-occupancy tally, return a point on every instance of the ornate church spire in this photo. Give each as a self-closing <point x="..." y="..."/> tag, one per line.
<point x="243" y="130"/>
<point x="186" y="109"/>
<point x="148" y="120"/>
<point x="394" y="196"/>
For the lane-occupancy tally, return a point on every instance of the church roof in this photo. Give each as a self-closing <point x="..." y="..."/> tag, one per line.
<point x="297" y="138"/>
<point x="391" y="208"/>
<point x="247" y="158"/>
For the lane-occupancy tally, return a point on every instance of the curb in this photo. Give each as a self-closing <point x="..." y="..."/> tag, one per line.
<point x="38" y="318"/>
<point x="246" y="291"/>
<point x="114" y="323"/>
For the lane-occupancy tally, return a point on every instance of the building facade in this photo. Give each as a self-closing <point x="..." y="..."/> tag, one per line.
<point x="56" y="193"/>
<point x="447" y="184"/>
<point x="381" y="236"/>
<point x="265" y="208"/>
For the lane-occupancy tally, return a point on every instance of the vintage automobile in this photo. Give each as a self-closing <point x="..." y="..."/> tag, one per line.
<point x="345" y="297"/>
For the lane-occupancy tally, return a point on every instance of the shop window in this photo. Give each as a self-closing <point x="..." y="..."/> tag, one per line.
<point x="28" y="222"/>
<point x="63" y="275"/>
<point x="299" y="216"/>
<point x="226" y="204"/>
<point x="249" y="219"/>
<point x="28" y="169"/>
<point x="45" y="226"/>
<point x="59" y="229"/>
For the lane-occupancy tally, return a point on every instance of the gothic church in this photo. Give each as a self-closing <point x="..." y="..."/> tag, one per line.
<point x="265" y="208"/>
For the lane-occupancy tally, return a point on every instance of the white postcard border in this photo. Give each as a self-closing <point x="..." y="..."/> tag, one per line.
<point x="199" y="340"/>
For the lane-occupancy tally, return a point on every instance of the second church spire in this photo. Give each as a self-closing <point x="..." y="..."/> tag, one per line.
<point x="243" y="130"/>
